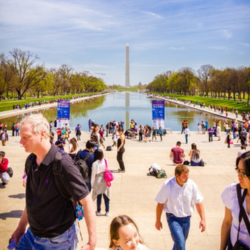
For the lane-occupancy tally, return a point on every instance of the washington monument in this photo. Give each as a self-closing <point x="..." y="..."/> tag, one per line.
<point x="127" y="81"/>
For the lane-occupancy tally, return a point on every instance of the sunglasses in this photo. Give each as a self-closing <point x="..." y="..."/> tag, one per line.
<point x="240" y="173"/>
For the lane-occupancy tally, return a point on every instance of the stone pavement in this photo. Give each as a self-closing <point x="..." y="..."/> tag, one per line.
<point x="133" y="192"/>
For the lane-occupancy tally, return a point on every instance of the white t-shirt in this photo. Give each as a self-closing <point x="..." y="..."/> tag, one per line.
<point x="230" y="200"/>
<point x="187" y="132"/>
<point x="70" y="147"/>
<point x="179" y="200"/>
<point x="242" y="151"/>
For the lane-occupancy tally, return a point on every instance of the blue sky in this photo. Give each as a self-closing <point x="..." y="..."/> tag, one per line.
<point x="91" y="35"/>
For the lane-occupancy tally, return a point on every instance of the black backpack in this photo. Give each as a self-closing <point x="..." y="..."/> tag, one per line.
<point x="10" y="172"/>
<point x="109" y="148"/>
<point x="82" y="164"/>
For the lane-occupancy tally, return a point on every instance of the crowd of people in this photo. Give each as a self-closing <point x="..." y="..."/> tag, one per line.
<point x="177" y="197"/>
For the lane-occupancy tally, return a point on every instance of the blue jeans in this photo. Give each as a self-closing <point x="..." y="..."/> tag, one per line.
<point x="186" y="137"/>
<point x="89" y="186"/>
<point x="195" y="163"/>
<point x="179" y="228"/>
<point x="66" y="241"/>
<point x="99" y="201"/>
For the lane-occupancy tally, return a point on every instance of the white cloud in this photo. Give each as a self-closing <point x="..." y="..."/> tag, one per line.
<point x="218" y="47"/>
<point x="226" y="34"/>
<point x="152" y="14"/>
<point x="245" y="44"/>
<point x="176" y="48"/>
<point x="42" y="13"/>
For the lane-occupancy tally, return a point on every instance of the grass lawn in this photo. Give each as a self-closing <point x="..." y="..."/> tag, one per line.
<point x="212" y="101"/>
<point x="8" y="104"/>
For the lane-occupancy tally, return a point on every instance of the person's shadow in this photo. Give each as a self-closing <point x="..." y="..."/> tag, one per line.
<point x="11" y="214"/>
<point x="18" y="196"/>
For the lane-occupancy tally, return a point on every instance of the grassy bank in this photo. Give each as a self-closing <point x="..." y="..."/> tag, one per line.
<point x="212" y="101"/>
<point x="8" y="104"/>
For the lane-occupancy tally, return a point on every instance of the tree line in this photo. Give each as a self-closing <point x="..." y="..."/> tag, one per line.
<point x="222" y="83"/>
<point x="19" y="74"/>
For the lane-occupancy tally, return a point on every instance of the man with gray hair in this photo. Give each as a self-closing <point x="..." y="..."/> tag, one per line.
<point x="50" y="215"/>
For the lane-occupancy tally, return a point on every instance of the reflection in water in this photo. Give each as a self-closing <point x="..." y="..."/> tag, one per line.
<point x="127" y="96"/>
<point x="137" y="106"/>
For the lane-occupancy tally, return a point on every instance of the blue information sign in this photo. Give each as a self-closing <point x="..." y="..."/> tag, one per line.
<point x="63" y="113"/>
<point x="158" y="113"/>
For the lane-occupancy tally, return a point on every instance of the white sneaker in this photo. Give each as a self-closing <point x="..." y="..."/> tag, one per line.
<point x="107" y="214"/>
<point x="98" y="213"/>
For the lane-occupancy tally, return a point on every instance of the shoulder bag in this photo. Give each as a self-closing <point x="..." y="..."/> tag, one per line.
<point x="108" y="176"/>
<point x="242" y="214"/>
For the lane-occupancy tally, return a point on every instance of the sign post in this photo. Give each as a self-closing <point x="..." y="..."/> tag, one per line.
<point x="158" y="113"/>
<point x="63" y="114"/>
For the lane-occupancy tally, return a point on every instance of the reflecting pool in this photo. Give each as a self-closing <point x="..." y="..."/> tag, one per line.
<point x="125" y="106"/>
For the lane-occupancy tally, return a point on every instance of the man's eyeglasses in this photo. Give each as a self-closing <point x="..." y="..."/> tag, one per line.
<point x="240" y="173"/>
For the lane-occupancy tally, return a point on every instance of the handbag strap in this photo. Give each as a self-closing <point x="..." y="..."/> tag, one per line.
<point x="106" y="164"/>
<point x="242" y="213"/>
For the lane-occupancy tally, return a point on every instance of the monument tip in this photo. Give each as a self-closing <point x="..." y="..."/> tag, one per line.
<point x="127" y="45"/>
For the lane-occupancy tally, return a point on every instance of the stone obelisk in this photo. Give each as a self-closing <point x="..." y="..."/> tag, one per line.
<point x="127" y="81"/>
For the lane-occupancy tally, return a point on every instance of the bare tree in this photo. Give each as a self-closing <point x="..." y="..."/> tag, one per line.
<point x="21" y="64"/>
<point x="204" y="76"/>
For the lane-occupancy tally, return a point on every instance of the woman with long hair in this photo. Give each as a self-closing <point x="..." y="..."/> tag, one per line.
<point x="120" y="150"/>
<point x="100" y="188"/>
<point x="73" y="147"/>
<point x="235" y="229"/>
<point x="194" y="155"/>
<point x="95" y="136"/>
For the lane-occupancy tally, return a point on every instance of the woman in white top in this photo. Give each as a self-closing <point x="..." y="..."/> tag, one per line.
<point x="230" y="225"/>
<point x="73" y="147"/>
<point x="98" y="183"/>
<point x="124" y="234"/>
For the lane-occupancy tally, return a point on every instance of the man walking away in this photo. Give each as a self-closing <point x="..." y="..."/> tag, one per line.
<point x="210" y="134"/>
<point x="186" y="132"/>
<point x="88" y="155"/>
<point x="177" y="198"/>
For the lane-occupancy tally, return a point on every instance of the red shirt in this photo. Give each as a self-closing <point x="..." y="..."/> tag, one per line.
<point x="177" y="151"/>
<point x="4" y="165"/>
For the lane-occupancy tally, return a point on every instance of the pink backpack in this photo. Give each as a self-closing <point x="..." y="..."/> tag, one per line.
<point x="108" y="176"/>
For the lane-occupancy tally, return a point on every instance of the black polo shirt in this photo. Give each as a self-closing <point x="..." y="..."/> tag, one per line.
<point x="49" y="213"/>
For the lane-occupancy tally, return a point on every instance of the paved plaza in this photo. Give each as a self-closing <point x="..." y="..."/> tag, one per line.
<point x="133" y="192"/>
